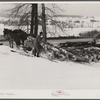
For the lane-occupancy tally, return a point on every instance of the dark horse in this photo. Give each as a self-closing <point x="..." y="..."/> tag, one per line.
<point x="8" y="34"/>
<point x="18" y="36"/>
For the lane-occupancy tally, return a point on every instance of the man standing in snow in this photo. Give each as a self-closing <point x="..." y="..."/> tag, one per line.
<point x="37" y="45"/>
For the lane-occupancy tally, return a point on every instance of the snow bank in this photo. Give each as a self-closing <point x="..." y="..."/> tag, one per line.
<point x="26" y="73"/>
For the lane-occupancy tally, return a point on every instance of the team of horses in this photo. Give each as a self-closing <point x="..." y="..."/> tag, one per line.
<point x="18" y="36"/>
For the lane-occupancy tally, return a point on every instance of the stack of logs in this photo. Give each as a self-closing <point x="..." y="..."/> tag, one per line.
<point x="76" y="54"/>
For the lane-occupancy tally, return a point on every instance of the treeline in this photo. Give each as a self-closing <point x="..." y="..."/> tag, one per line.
<point x="89" y="33"/>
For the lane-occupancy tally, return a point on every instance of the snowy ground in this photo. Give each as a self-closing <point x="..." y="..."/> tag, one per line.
<point x="26" y="73"/>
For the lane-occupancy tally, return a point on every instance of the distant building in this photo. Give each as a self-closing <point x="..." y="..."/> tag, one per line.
<point x="75" y="21"/>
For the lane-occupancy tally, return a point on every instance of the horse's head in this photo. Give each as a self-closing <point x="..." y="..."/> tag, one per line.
<point x="7" y="32"/>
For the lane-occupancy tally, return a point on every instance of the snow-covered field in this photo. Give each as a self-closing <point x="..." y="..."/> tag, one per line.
<point x="25" y="73"/>
<point x="20" y="72"/>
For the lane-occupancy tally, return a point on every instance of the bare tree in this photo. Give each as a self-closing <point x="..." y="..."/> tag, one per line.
<point x="28" y="14"/>
<point x="34" y="20"/>
<point x="44" y="23"/>
<point x="24" y="13"/>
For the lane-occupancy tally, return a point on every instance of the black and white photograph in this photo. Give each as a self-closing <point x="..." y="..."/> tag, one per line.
<point x="49" y="46"/>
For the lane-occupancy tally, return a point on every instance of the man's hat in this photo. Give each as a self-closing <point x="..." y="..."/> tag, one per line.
<point x="41" y="33"/>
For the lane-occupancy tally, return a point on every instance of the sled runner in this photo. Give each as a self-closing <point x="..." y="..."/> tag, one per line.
<point x="22" y="52"/>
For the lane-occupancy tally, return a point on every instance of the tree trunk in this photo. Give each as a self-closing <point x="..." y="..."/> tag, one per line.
<point x="44" y="23"/>
<point x="27" y="26"/>
<point x="32" y="20"/>
<point x="36" y="20"/>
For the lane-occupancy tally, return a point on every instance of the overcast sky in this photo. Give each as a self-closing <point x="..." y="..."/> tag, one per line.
<point x="90" y="9"/>
<point x="87" y="9"/>
<point x="6" y="6"/>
